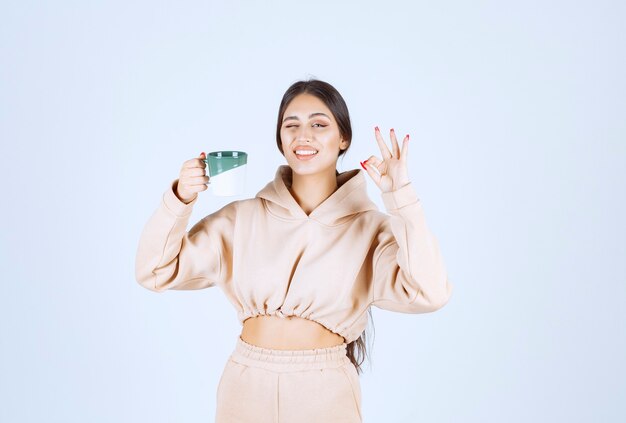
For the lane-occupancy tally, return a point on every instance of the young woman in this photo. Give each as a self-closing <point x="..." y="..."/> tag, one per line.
<point x="302" y="262"/>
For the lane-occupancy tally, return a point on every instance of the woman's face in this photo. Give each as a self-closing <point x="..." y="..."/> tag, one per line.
<point x="307" y="122"/>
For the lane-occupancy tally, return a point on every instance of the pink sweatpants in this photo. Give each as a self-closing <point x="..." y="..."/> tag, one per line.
<point x="288" y="386"/>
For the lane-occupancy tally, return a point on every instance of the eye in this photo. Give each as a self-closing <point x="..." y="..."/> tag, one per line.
<point x="320" y="125"/>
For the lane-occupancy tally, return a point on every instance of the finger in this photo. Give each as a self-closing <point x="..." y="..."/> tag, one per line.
<point x="384" y="151"/>
<point x="394" y="143"/>
<point x="405" y="148"/>
<point x="377" y="164"/>
<point x="203" y="159"/>
<point x="196" y="180"/>
<point x="193" y="171"/>
<point x="197" y="162"/>
<point x="369" y="168"/>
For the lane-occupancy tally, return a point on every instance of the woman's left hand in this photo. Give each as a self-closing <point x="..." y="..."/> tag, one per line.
<point x="392" y="171"/>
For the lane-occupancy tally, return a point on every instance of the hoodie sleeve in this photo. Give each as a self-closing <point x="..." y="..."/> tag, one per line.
<point x="168" y="257"/>
<point x="409" y="271"/>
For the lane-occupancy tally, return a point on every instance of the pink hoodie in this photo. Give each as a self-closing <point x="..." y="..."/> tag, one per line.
<point x="269" y="257"/>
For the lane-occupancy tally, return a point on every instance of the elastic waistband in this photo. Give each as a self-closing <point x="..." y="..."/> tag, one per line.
<point x="289" y="360"/>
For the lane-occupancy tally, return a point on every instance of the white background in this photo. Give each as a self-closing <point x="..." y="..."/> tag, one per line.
<point x="516" y="112"/>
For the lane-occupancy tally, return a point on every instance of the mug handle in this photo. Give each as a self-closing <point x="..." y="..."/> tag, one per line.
<point x="206" y="160"/>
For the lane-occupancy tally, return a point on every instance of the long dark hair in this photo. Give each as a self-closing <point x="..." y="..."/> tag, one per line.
<point x="356" y="350"/>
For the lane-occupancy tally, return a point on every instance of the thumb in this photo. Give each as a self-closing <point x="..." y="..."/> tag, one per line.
<point x="202" y="155"/>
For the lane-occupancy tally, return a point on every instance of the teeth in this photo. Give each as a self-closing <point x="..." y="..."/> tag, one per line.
<point x="305" y="152"/>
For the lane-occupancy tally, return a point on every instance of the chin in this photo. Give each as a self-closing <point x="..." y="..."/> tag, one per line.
<point x="310" y="167"/>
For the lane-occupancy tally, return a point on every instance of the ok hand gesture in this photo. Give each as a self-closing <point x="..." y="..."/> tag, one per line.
<point x="392" y="170"/>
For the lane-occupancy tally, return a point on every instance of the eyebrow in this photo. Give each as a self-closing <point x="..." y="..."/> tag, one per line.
<point x="310" y="116"/>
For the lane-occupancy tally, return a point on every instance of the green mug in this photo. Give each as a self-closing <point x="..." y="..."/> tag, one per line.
<point x="227" y="172"/>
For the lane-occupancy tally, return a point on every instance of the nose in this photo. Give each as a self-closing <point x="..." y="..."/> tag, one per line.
<point x="304" y="134"/>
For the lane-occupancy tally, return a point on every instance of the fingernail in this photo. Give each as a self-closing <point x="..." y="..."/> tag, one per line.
<point x="377" y="128"/>
<point x="202" y="153"/>
<point x="363" y="166"/>
<point x="391" y="129"/>
<point x="407" y="137"/>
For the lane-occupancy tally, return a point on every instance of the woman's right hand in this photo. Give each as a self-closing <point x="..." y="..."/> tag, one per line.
<point x="192" y="179"/>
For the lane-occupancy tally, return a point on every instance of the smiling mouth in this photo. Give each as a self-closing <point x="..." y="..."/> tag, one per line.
<point x="307" y="154"/>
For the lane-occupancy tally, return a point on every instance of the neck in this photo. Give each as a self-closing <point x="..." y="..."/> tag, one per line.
<point x="311" y="190"/>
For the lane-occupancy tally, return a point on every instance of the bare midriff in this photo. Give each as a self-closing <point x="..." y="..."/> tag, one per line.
<point x="288" y="333"/>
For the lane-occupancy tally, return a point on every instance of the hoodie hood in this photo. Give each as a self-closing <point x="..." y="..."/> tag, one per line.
<point x="348" y="199"/>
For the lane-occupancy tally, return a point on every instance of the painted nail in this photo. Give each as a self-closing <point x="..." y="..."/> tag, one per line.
<point x="391" y="129"/>
<point x="362" y="165"/>
<point x="377" y="128"/>
<point x="407" y="137"/>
